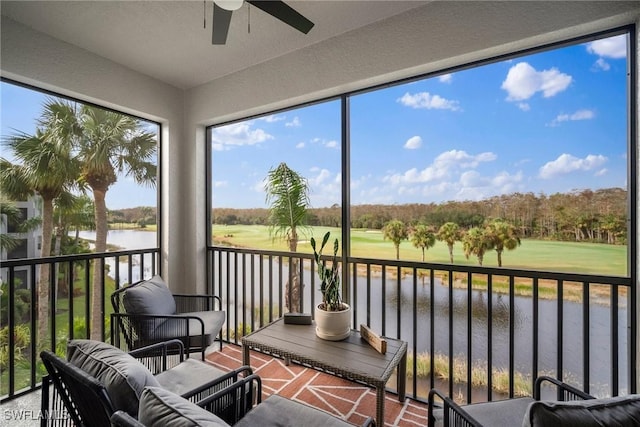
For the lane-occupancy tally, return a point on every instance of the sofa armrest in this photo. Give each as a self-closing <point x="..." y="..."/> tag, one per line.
<point x="122" y="419"/>
<point x="139" y="330"/>
<point x="235" y="401"/>
<point x="565" y="391"/>
<point x="452" y="413"/>
<point x="219" y="383"/>
<point x="161" y="356"/>
<point x="186" y="303"/>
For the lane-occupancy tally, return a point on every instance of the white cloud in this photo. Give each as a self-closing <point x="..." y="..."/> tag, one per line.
<point x="322" y="176"/>
<point x="566" y="163"/>
<point x="466" y="185"/>
<point x="295" y="123"/>
<point x="601" y="64"/>
<point x="602" y="172"/>
<point x="578" y="115"/>
<point x="472" y="178"/>
<point x="474" y="186"/>
<point x="612" y="47"/>
<point x="413" y="143"/>
<point x="523" y="81"/>
<point x="272" y="118"/>
<point x="463" y="159"/>
<point x="219" y="184"/>
<point x="331" y="144"/>
<point x="446" y="78"/>
<point x="441" y="167"/>
<point x="428" y="101"/>
<point x="325" y="187"/>
<point x="237" y="134"/>
<point x="524" y="106"/>
<point x="452" y="175"/>
<point x="300" y="145"/>
<point x="260" y="186"/>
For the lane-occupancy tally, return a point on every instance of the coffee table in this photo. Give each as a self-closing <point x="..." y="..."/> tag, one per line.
<point x="352" y="358"/>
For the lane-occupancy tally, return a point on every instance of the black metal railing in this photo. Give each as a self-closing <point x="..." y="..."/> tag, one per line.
<point x="476" y="333"/>
<point x="69" y="289"/>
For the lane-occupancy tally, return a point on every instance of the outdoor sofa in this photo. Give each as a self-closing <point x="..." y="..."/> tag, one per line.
<point x="571" y="408"/>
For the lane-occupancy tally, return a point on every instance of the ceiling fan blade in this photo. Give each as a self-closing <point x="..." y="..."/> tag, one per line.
<point x="221" y="21"/>
<point x="285" y="13"/>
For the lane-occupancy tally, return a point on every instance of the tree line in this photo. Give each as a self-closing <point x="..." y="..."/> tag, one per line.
<point x="579" y="215"/>
<point x="140" y="215"/>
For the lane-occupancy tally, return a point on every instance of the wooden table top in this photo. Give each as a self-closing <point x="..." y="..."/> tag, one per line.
<point x="352" y="357"/>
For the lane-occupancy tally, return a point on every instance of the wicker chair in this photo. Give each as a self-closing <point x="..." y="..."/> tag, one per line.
<point x="100" y="379"/>
<point x="497" y="413"/>
<point x="147" y="312"/>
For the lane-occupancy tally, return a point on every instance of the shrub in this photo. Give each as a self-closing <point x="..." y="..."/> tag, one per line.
<point x="22" y="339"/>
<point x="243" y="329"/>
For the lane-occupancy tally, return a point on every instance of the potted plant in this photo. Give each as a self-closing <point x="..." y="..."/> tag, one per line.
<point x="332" y="316"/>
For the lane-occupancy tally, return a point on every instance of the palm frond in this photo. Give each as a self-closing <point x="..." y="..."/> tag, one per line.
<point x="287" y="193"/>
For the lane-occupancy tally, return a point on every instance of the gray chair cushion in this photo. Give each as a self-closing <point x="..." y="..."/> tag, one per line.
<point x="277" y="411"/>
<point x="622" y="411"/>
<point x="149" y="297"/>
<point x="123" y="376"/>
<point x="213" y="321"/>
<point x="507" y="413"/>
<point x="188" y="376"/>
<point x="160" y="408"/>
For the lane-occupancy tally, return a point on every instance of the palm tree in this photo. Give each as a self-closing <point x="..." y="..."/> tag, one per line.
<point x="450" y="233"/>
<point x="423" y="238"/>
<point x="503" y="236"/>
<point x="70" y="210"/>
<point x="106" y="144"/>
<point x="74" y="211"/>
<point x="46" y="169"/>
<point x="476" y="242"/>
<point x="396" y="231"/>
<point x="288" y="196"/>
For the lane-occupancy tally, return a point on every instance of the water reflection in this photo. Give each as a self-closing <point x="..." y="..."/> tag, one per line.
<point x="393" y="313"/>
<point x="127" y="240"/>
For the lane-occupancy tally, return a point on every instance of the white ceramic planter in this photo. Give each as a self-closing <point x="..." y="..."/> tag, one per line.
<point x="333" y="325"/>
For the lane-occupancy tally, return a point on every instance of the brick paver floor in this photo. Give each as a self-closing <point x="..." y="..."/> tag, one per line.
<point x="345" y="399"/>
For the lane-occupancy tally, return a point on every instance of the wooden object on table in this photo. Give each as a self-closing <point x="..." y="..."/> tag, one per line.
<point x="374" y="340"/>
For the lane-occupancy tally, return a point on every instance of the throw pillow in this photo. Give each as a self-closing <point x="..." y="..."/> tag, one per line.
<point x="123" y="376"/>
<point x="159" y="408"/>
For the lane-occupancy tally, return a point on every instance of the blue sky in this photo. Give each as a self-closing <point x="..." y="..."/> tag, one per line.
<point x="549" y="122"/>
<point x="19" y="111"/>
<point x="545" y="123"/>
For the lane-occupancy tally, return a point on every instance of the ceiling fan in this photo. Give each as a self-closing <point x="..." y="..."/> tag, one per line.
<point x="223" y="9"/>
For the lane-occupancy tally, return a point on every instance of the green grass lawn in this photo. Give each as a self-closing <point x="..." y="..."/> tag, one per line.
<point x="573" y="257"/>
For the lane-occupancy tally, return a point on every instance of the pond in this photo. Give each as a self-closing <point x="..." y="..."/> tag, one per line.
<point x="127" y="240"/>
<point x="572" y="336"/>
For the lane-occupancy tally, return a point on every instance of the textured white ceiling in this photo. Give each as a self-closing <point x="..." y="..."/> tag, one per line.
<point x="166" y="39"/>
